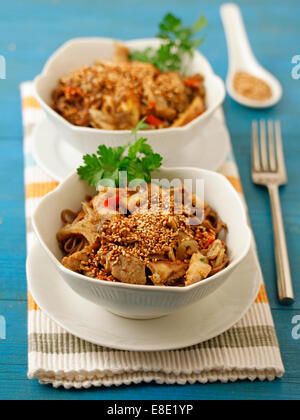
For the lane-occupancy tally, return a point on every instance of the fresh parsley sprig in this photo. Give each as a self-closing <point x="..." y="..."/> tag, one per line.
<point x="106" y="166"/>
<point x="179" y="41"/>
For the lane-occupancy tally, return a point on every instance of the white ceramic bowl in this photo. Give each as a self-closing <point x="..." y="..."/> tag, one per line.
<point x="134" y="301"/>
<point x="85" y="51"/>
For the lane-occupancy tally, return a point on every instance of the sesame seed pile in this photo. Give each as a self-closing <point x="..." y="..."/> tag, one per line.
<point x="203" y="236"/>
<point x="148" y="235"/>
<point x="152" y="232"/>
<point x="142" y="235"/>
<point x="251" y="87"/>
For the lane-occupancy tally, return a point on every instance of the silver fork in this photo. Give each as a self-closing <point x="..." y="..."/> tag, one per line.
<point x="268" y="169"/>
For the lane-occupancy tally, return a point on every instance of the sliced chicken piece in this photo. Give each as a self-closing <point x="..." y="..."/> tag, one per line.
<point x="73" y="262"/>
<point x="131" y="271"/>
<point x="163" y="272"/>
<point x="163" y="109"/>
<point x="198" y="270"/>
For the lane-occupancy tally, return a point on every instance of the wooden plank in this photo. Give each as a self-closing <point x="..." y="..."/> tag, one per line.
<point x="12" y="226"/>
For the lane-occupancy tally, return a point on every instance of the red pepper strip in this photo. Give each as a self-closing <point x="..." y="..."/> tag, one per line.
<point x="72" y="91"/>
<point x="192" y="82"/>
<point x="112" y="203"/>
<point x="209" y="242"/>
<point x="152" y="120"/>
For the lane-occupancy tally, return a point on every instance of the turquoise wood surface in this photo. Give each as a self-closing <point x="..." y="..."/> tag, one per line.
<point x="30" y="31"/>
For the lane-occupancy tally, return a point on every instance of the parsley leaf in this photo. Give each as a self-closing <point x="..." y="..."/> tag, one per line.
<point x="92" y="171"/>
<point x="106" y="167"/>
<point x="179" y="41"/>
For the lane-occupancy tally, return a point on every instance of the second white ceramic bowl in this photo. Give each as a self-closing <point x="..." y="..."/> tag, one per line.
<point x="84" y="51"/>
<point x="134" y="301"/>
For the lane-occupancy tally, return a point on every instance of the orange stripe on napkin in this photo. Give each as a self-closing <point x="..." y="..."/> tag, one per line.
<point x="236" y="183"/>
<point x="30" y="102"/>
<point x="262" y="296"/>
<point x="39" y="189"/>
<point x="32" y="306"/>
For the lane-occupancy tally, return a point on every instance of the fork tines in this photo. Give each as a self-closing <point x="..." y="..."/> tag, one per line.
<point x="267" y="151"/>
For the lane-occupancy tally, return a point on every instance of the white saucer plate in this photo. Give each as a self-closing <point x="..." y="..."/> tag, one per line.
<point x="198" y="323"/>
<point x="59" y="159"/>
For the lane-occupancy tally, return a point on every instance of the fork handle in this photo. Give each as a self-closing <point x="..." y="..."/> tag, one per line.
<point x="285" y="286"/>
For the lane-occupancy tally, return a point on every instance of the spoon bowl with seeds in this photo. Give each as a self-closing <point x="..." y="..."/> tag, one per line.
<point x="248" y="82"/>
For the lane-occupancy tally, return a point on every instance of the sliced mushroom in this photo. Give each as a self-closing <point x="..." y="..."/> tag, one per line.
<point x="165" y="271"/>
<point x="215" y="249"/>
<point x="186" y="248"/>
<point x="74" y="262"/>
<point x="84" y="228"/>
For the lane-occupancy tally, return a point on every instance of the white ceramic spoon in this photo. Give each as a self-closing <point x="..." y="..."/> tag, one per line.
<point x="241" y="58"/>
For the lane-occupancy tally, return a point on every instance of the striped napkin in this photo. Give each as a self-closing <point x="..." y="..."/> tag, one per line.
<point x="247" y="351"/>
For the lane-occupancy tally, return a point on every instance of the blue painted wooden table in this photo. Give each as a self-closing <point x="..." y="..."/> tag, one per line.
<point x="30" y="32"/>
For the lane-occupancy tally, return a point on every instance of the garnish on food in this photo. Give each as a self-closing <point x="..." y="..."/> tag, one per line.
<point x="178" y="42"/>
<point x="106" y="166"/>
